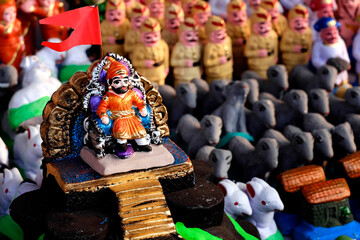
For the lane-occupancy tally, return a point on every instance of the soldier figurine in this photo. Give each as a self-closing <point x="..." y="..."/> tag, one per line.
<point x="187" y="6"/>
<point x="157" y="10"/>
<point x="200" y="12"/>
<point x="174" y="15"/>
<point x="278" y="21"/>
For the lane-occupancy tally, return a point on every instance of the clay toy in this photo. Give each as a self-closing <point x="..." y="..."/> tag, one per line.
<point x="340" y="107"/>
<point x="174" y="15"/>
<point x="139" y="13"/>
<point x="198" y="134"/>
<point x="27" y="151"/>
<point x="114" y="27"/>
<point x="12" y="41"/>
<point x="330" y="45"/>
<point x="236" y="201"/>
<point x="276" y="82"/>
<point x="187" y="6"/>
<point x="217" y="51"/>
<point x="238" y="29"/>
<point x="157" y="10"/>
<point x="264" y="201"/>
<point x="296" y="41"/>
<point x="278" y="21"/>
<point x="178" y="101"/>
<point x="4" y="153"/>
<point x="253" y="95"/>
<point x="260" y="118"/>
<point x="294" y="152"/>
<point x="51" y="57"/>
<point x="319" y="101"/>
<point x="261" y="48"/>
<point x="10" y="180"/>
<point x="320" y="9"/>
<point x="186" y="54"/>
<point x="232" y="110"/>
<point x="202" y="92"/>
<point x="302" y="78"/>
<point x="250" y="161"/>
<point x="348" y="18"/>
<point x="289" y="110"/>
<point x="216" y="96"/>
<point x="8" y="82"/>
<point x="200" y="12"/>
<point x="151" y="56"/>
<point x="354" y="120"/>
<point x="220" y="160"/>
<point x="29" y="62"/>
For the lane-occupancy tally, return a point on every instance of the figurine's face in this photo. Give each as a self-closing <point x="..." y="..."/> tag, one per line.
<point x="157" y="9"/>
<point x="201" y="18"/>
<point x="262" y="28"/>
<point x="115" y="16"/>
<point x="9" y="15"/>
<point x="189" y="38"/>
<point x="173" y="24"/>
<point x="238" y="17"/>
<point x="350" y="3"/>
<point x="120" y="84"/>
<point x="187" y="7"/>
<point x="274" y="13"/>
<point x="299" y="24"/>
<point x="218" y="36"/>
<point x="150" y="38"/>
<point x="255" y="4"/>
<point x="46" y="3"/>
<point x="325" y="12"/>
<point x="329" y="35"/>
<point x="137" y="21"/>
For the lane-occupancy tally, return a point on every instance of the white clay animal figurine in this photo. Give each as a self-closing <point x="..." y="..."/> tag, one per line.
<point x="51" y="57"/>
<point x="10" y="180"/>
<point x="4" y="153"/>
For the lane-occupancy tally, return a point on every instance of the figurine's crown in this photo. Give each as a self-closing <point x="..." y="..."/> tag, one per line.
<point x="323" y="23"/>
<point x="150" y="25"/>
<point x="199" y="7"/>
<point x="115" y="68"/>
<point x="317" y="5"/>
<point x="189" y="24"/>
<point x="260" y="15"/>
<point x="298" y="11"/>
<point x="236" y="5"/>
<point x="115" y="4"/>
<point x="214" y="23"/>
<point x="139" y="10"/>
<point x="269" y="4"/>
<point x="174" y="11"/>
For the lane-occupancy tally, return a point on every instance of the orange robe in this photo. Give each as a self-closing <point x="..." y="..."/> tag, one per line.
<point x="126" y="124"/>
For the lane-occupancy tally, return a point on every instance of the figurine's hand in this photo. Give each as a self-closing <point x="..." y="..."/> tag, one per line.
<point x="144" y="112"/>
<point x="240" y="41"/>
<point x="188" y="63"/>
<point x="297" y="48"/>
<point x="166" y="71"/>
<point x="105" y="120"/>
<point x="149" y="63"/>
<point x="223" y="60"/>
<point x="263" y="53"/>
<point x="111" y="39"/>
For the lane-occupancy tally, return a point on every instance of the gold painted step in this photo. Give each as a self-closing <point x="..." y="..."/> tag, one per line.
<point x="143" y="209"/>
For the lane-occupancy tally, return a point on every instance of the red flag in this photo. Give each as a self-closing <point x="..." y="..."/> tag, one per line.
<point x="86" y="24"/>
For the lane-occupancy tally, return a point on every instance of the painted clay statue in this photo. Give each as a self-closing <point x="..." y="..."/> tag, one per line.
<point x="129" y="5"/>
<point x="278" y="21"/>
<point x="201" y="11"/>
<point x="10" y="181"/>
<point x="347" y="14"/>
<point x="320" y="9"/>
<point x="139" y="13"/>
<point x="119" y="100"/>
<point x="187" y="6"/>
<point x="296" y="41"/>
<point x="157" y="10"/>
<point x="186" y="54"/>
<point x="151" y="56"/>
<point x="218" y="51"/>
<point x="261" y="47"/>
<point x="331" y="45"/>
<point x="174" y="15"/>
<point x="114" y="27"/>
<point x="238" y="29"/>
<point x="11" y="39"/>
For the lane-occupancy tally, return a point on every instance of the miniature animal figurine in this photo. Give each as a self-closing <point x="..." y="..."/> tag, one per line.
<point x="261" y="48"/>
<point x="354" y="121"/>
<point x="330" y="45"/>
<point x="217" y="51"/>
<point x="319" y="101"/>
<point x="216" y="96"/>
<point x="4" y="153"/>
<point x="238" y="29"/>
<point x="11" y="38"/>
<point x="253" y="94"/>
<point x="290" y="110"/>
<point x="252" y="161"/>
<point x="27" y="151"/>
<point x="157" y="10"/>
<point x="198" y="134"/>
<point x="200" y="12"/>
<point x="220" y="159"/>
<point x="232" y="110"/>
<point x="186" y="54"/>
<point x="260" y="118"/>
<point x="295" y="152"/>
<point x="202" y="92"/>
<point x="348" y="20"/>
<point x="236" y="201"/>
<point x="151" y="56"/>
<point x="264" y="201"/>
<point x="10" y="180"/>
<point x="174" y="15"/>
<point x="30" y="62"/>
<point x="114" y="27"/>
<point x="278" y="21"/>
<point x="178" y="101"/>
<point x="302" y="78"/>
<point x="8" y="82"/>
<point x="296" y="41"/>
<point x="51" y="57"/>
<point x="340" y="107"/>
